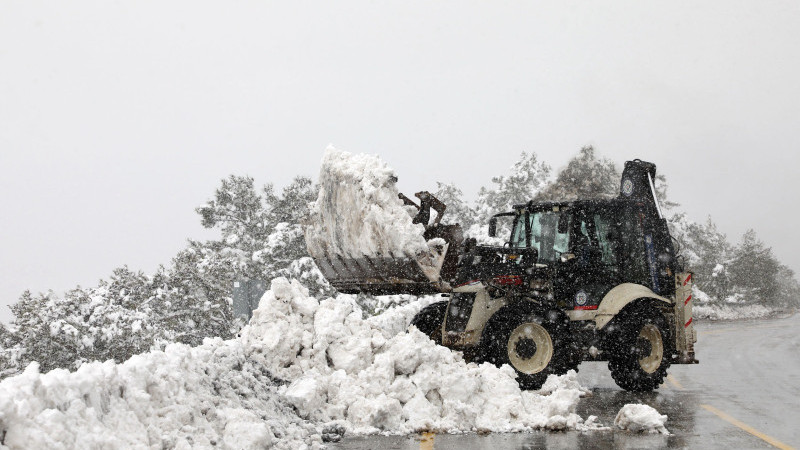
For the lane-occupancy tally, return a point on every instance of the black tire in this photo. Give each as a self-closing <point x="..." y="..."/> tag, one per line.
<point x="429" y="320"/>
<point x="532" y="344"/>
<point x="641" y="349"/>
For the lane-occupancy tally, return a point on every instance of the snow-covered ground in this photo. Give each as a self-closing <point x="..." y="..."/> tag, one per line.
<point x="704" y="309"/>
<point x="300" y="368"/>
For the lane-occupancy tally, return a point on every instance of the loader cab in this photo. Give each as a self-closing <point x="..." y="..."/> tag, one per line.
<point x="591" y="246"/>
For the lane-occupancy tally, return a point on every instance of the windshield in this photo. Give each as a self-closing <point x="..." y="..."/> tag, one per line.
<point x="544" y="234"/>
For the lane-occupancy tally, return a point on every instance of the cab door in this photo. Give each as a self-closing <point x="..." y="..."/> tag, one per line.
<point x="591" y="268"/>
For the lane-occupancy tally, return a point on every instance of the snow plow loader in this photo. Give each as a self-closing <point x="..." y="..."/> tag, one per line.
<point x="584" y="280"/>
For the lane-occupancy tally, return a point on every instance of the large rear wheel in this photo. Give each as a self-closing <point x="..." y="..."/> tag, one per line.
<point x="533" y="345"/>
<point x="641" y="350"/>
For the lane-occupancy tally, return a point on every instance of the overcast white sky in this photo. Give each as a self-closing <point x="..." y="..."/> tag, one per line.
<point x="118" y="118"/>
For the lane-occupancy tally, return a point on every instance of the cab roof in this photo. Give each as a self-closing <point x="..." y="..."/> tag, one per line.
<point x="611" y="202"/>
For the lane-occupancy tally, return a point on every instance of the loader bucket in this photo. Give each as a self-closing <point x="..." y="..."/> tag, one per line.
<point x="362" y="235"/>
<point x="382" y="275"/>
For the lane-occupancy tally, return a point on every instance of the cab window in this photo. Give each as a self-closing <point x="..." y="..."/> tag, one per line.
<point x="595" y="238"/>
<point x="545" y="236"/>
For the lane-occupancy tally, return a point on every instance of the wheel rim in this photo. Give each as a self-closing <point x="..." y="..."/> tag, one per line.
<point x="530" y="348"/>
<point x="651" y="362"/>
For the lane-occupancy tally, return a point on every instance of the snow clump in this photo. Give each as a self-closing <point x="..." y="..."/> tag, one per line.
<point x="641" y="418"/>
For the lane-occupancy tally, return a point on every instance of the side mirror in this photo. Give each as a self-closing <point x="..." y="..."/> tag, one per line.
<point x="493" y="227"/>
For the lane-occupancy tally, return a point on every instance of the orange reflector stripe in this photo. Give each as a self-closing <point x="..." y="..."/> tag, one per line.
<point x="687" y="300"/>
<point x="587" y="307"/>
<point x="687" y="279"/>
<point x="687" y="323"/>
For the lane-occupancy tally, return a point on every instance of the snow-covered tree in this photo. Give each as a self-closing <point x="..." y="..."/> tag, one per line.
<point x="523" y="182"/>
<point x="11" y="358"/>
<point x="192" y="299"/>
<point x="585" y="177"/>
<point x="261" y="233"/>
<point x="788" y="294"/>
<point x="238" y="211"/>
<point x="458" y="211"/>
<point x="109" y="321"/>
<point x="261" y="237"/>
<point x="708" y="254"/>
<point x="754" y="270"/>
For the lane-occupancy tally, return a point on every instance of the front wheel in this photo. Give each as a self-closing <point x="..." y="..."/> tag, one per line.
<point x="533" y="345"/>
<point x="641" y="350"/>
<point x="429" y="320"/>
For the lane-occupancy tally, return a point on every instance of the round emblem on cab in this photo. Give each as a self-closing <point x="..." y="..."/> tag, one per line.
<point x="581" y="298"/>
<point x="627" y="187"/>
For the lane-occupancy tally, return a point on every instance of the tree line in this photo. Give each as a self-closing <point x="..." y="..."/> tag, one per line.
<point x="261" y="237"/>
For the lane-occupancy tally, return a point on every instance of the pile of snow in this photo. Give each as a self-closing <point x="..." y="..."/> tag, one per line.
<point x="641" y="418"/>
<point x="359" y="213"/>
<point x="182" y="397"/>
<point x="300" y="369"/>
<point x="369" y="376"/>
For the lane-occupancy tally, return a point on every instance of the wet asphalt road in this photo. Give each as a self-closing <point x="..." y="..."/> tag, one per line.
<point x="745" y="393"/>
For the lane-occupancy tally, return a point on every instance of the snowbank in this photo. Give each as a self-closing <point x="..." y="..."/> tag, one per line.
<point x="369" y="376"/>
<point x="704" y="309"/>
<point x="341" y="371"/>
<point x="182" y="397"/>
<point x="358" y="212"/>
<point x="641" y="418"/>
<point x="730" y="312"/>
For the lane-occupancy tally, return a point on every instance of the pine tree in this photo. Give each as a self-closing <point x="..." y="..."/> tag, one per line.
<point x="261" y="233"/>
<point x="10" y="353"/>
<point x="708" y="254"/>
<point x="754" y="270"/>
<point x="458" y="211"/>
<point x="261" y="238"/>
<point x="522" y="184"/>
<point x="193" y="298"/>
<point x="788" y="294"/>
<point x="585" y="177"/>
<point x="107" y="322"/>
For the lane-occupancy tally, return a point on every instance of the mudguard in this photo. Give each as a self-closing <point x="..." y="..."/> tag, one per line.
<point x="619" y="297"/>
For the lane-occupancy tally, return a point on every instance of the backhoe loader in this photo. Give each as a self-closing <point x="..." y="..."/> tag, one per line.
<point x="584" y="280"/>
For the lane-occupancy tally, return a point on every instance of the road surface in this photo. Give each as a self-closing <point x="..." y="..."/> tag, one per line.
<point x="745" y="393"/>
